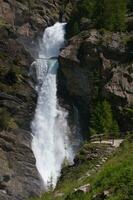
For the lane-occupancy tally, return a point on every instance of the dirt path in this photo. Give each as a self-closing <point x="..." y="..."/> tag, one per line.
<point x="115" y="143"/>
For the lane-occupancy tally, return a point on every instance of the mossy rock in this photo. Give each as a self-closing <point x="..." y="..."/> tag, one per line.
<point x="7" y="122"/>
<point x="3" y="23"/>
<point x="3" y="56"/>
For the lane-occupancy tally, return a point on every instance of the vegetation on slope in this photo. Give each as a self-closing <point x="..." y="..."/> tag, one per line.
<point x="110" y="15"/>
<point x="114" y="177"/>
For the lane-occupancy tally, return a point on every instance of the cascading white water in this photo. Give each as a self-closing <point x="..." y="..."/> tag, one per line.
<point x="50" y="130"/>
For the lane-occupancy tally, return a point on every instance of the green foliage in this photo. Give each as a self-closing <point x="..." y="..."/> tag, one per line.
<point x="114" y="176"/>
<point x="115" y="132"/>
<point x="76" y="28"/>
<point x="85" y="8"/>
<point x="102" y="120"/>
<point x="130" y="5"/>
<point x="108" y="14"/>
<point x="98" y="13"/>
<point x="76" y="196"/>
<point x="129" y="112"/>
<point x="117" y="174"/>
<point x="114" y="15"/>
<point x="4" y="118"/>
<point x="4" y="24"/>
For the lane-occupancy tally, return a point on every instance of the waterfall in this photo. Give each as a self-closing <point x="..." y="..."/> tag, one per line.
<point x="50" y="131"/>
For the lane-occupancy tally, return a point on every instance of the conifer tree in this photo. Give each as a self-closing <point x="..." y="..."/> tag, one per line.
<point x="85" y="8"/>
<point x="102" y="121"/>
<point x="114" y="14"/>
<point x="110" y="14"/>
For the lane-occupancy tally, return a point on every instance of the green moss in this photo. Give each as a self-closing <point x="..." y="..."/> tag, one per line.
<point x="7" y="122"/>
<point x="4" y="24"/>
<point x="3" y="56"/>
<point x="126" y="39"/>
<point x="12" y="79"/>
<point x="128" y="113"/>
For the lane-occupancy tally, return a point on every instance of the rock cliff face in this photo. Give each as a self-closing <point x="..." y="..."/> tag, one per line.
<point x="93" y="63"/>
<point x="99" y="64"/>
<point x="21" y="22"/>
<point x="29" y="18"/>
<point x="18" y="175"/>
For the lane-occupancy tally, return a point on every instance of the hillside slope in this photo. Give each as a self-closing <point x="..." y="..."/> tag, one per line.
<point x="96" y="177"/>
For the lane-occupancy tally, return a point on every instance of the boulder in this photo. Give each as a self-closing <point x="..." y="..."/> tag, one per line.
<point x="84" y="188"/>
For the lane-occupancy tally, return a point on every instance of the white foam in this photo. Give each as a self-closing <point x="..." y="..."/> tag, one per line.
<point x="50" y="130"/>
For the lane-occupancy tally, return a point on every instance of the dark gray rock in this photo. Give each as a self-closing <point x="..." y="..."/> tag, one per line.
<point x="21" y="24"/>
<point x="19" y="178"/>
<point x="97" y="63"/>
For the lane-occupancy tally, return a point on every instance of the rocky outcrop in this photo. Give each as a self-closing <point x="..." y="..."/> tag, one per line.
<point x="83" y="188"/>
<point x="19" y="178"/>
<point x="18" y="175"/>
<point x="29" y="18"/>
<point x="21" y="23"/>
<point x="17" y="97"/>
<point x="98" y="63"/>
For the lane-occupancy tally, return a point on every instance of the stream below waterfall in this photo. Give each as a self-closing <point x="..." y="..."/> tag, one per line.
<point x="50" y="130"/>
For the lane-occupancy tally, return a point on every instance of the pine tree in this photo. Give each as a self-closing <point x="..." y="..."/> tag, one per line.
<point x="97" y="119"/>
<point x="111" y="14"/>
<point x="107" y="116"/>
<point x="102" y="121"/>
<point x="108" y="14"/>
<point x="114" y="14"/>
<point x="98" y="15"/>
<point x="115" y="129"/>
<point x="85" y="8"/>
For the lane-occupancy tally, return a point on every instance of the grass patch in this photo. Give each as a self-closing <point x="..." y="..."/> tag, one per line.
<point x="115" y="176"/>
